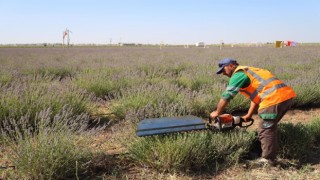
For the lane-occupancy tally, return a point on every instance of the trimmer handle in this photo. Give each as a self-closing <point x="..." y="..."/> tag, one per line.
<point x="250" y="121"/>
<point x="210" y="125"/>
<point x="210" y="119"/>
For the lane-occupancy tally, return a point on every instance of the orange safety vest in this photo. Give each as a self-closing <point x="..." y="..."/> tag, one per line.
<point x="265" y="89"/>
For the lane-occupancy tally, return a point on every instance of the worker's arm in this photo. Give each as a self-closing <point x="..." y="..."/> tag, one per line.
<point x="220" y="107"/>
<point x="237" y="81"/>
<point x="253" y="107"/>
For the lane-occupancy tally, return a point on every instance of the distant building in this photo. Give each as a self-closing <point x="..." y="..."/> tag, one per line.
<point x="129" y="44"/>
<point x="200" y="44"/>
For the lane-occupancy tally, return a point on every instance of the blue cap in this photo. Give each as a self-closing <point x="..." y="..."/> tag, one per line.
<point x="225" y="62"/>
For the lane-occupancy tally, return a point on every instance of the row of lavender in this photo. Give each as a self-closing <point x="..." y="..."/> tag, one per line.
<point x="146" y="81"/>
<point x="48" y="95"/>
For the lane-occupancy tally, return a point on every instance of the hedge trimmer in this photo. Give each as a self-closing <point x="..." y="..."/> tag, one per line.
<point x="165" y="125"/>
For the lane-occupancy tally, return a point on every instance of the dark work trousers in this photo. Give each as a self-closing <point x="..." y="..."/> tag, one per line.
<point x="268" y="128"/>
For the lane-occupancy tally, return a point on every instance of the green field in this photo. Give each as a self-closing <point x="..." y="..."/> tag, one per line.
<point x="49" y="94"/>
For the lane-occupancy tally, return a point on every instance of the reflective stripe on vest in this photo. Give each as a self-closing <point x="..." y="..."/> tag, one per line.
<point x="269" y="91"/>
<point x="263" y="83"/>
<point x="233" y="88"/>
<point x="252" y="96"/>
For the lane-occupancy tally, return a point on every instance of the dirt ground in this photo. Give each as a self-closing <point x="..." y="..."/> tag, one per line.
<point x="294" y="116"/>
<point x="303" y="116"/>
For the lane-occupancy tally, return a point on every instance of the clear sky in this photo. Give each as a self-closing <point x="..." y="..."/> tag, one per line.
<point x="156" y="21"/>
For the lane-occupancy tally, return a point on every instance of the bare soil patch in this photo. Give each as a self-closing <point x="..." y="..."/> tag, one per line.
<point x="294" y="116"/>
<point x="301" y="116"/>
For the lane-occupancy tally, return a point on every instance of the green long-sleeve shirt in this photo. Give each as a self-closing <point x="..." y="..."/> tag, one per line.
<point x="238" y="80"/>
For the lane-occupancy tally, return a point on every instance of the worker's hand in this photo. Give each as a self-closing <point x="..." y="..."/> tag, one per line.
<point x="214" y="115"/>
<point x="246" y="117"/>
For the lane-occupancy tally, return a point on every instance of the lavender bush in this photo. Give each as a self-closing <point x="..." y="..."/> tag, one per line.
<point x="191" y="151"/>
<point x="132" y="84"/>
<point x="55" y="148"/>
<point x="32" y="95"/>
<point x="171" y="81"/>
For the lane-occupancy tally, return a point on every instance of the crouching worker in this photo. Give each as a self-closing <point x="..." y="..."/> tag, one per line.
<point x="267" y="93"/>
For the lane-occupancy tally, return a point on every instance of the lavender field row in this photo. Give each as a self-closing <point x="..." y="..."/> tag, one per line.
<point x="132" y="80"/>
<point x="50" y="99"/>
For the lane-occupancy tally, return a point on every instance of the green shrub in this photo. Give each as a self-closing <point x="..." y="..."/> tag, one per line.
<point x="54" y="73"/>
<point x="314" y="127"/>
<point x="22" y="98"/>
<point x="172" y="69"/>
<point x="101" y="87"/>
<point x="57" y="149"/>
<point x="104" y="82"/>
<point x="199" y="81"/>
<point x="183" y="81"/>
<point x="295" y="140"/>
<point x="133" y="102"/>
<point x="202" y="104"/>
<point x="30" y="97"/>
<point x="191" y="151"/>
<point x="5" y="78"/>
<point x="154" y="71"/>
<point x="238" y="103"/>
<point x="176" y="69"/>
<point x="308" y="94"/>
<point x="196" y="82"/>
<point x="154" y="100"/>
